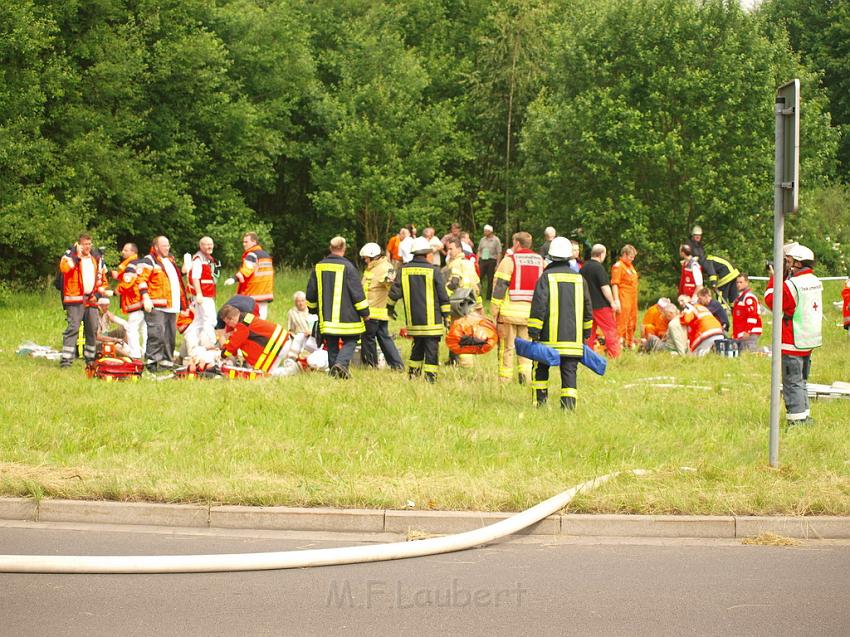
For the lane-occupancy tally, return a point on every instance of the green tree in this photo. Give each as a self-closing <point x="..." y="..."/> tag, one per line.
<point x="658" y="115"/>
<point x="820" y="31"/>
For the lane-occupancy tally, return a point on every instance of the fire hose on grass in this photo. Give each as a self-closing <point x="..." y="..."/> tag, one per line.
<point x="299" y="559"/>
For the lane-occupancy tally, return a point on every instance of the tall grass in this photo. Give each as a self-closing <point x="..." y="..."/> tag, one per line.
<point x="379" y="440"/>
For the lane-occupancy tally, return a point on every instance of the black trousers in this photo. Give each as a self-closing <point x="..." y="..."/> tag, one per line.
<point x="540" y="382"/>
<point x="162" y="336"/>
<point x="728" y="292"/>
<point x="487" y="268"/>
<point x="423" y="357"/>
<point x="76" y="314"/>
<point x="341" y="355"/>
<point x="379" y="331"/>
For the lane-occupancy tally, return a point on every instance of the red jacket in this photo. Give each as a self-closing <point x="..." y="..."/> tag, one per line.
<point x="208" y="269"/>
<point x="845" y="294"/>
<point x="260" y="342"/>
<point x="789" y="306"/>
<point x="745" y="315"/>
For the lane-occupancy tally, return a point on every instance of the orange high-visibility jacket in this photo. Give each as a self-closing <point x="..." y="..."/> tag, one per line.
<point x="73" y="292"/>
<point x="256" y="276"/>
<point x="654" y="322"/>
<point x="701" y="324"/>
<point x="128" y="285"/>
<point x="155" y="282"/>
<point x="259" y="341"/>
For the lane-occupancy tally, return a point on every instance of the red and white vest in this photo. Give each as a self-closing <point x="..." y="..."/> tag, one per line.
<point x="528" y="266"/>
<point x="745" y="315"/>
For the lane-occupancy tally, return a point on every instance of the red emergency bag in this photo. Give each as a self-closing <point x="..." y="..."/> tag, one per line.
<point x="111" y="368"/>
<point x="235" y="372"/>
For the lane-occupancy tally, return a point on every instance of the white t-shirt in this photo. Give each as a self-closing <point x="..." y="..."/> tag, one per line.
<point x="174" y="282"/>
<point x="404" y="249"/>
<point x="88" y="272"/>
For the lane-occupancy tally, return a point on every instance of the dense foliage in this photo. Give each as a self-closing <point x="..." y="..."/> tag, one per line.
<point x="304" y="118"/>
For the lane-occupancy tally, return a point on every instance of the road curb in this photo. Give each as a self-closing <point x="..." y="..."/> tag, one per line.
<point x="400" y="522"/>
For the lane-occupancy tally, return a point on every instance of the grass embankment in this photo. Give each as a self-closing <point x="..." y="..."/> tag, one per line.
<point x="379" y="440"/>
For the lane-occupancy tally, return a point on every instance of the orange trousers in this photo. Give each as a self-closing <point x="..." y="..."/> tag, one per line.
<point x="627" y="319"/>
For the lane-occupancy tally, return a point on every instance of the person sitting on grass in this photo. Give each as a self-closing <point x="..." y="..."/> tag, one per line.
<point x="110" y="340"/>
<point x="675" y="337"/>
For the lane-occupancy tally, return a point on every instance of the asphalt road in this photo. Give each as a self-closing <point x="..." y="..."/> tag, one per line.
<point x="526" y="587"/>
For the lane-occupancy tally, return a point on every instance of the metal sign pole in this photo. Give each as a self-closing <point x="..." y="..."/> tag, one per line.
<point x="778" y="282"/>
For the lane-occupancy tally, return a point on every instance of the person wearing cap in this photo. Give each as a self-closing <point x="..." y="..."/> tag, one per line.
<point x="602" y="300"/>
<point x="746" y="321"/>
<point x="548" y="234"/>
<point x="426" y="309"/>
<point x="561" y="317"/>
<point x="115" y="337"/>
<point x="624" y="287"/>
<point x="516" y="278"/>
<point x="377" y="280"/>
<point x="489" y="254"/>
<point x="802" y="318"/>
<point x="335" y="293"/>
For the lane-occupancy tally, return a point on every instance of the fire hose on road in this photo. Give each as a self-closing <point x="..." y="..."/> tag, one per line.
<point x="298" y="559"/>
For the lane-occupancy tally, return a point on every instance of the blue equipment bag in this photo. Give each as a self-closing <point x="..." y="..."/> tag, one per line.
<point x="593" y="361"/>
<point x="538" y="352"/>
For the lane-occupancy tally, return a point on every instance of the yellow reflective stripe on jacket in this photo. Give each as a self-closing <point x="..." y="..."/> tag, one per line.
<point x="267" y="358"/>
<point x="535" y="323"/>
<point x="379" y="314"/>
<point x="362" y="305"/>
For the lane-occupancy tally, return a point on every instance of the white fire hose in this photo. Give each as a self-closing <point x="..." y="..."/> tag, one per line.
<point x="297" y="559"/>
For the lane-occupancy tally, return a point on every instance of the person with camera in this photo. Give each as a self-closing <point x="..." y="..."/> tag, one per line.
<point x="802" y="318"/>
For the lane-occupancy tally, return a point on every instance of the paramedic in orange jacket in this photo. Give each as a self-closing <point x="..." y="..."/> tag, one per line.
<point x="127" y="275"/>
<point x="703" y="329"/>
<point x="256" y="276"/>
<point x="163" y="298"/>
<point x="624" y="287"/>
<point x="262" y="344"/>
<point x="83" y="281"/>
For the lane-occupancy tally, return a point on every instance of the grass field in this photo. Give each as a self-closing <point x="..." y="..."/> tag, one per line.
<point x="380" y="440"/>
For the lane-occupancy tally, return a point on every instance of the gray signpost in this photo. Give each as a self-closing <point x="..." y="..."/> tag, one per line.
<point x="786" y="197"/>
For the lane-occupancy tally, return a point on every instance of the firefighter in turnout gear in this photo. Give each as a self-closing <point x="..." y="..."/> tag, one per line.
<point x="460" y="274"/>
<point x="377" y="281"/>
<point x="335" y="294"/>
<point x="561" y="317"/>
<point x="426" y="308"/>
<point x="513" y="287"/>
<point x="721" y="276"/>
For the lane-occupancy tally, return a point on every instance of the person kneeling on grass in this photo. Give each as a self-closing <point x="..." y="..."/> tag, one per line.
<point x="262" y="344"/>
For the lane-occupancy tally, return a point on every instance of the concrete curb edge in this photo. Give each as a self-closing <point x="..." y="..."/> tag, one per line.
<point x="400" y="522"/>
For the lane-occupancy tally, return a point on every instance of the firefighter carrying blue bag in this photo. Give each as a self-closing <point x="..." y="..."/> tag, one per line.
<point x="561" y="318"/>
